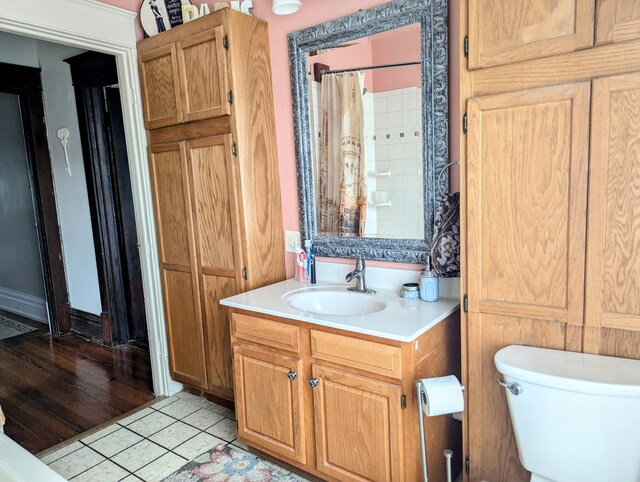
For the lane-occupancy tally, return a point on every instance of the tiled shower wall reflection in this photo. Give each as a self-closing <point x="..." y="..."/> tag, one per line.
<point x="393" y="151"/>
<point x="397" y="193"/>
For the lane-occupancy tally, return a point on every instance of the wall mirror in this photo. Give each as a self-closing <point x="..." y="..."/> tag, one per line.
<point x="371" y="129"/>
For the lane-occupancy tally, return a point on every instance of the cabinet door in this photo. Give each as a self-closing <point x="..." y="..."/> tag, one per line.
<point x="618" y="20"/>
<point x="159" y="82"/>
<point x="269" y="401"/>
<point x="613" y="259"/>
<point x="177" y="252"/>
<point x="504" y="31"/>
<point x="219" y="258"/>
<point x="203" y="75"/>
<point x="492" y="444"/>
<point x="358" y="427"/>
<point x="527" y="157"/>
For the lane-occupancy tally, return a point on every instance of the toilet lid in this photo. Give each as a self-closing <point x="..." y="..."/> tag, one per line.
<point x="580" y="372"/>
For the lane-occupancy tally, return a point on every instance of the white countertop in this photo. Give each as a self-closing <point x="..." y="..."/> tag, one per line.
<point x="402" y="320"/>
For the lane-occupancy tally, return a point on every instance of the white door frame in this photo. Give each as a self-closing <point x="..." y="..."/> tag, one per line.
<point x="93" y="25"/>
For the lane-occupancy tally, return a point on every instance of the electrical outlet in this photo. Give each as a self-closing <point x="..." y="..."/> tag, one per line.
<point x="292" y="240"/>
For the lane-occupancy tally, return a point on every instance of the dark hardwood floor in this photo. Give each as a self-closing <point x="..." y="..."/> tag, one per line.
<point x="54" y="389"/>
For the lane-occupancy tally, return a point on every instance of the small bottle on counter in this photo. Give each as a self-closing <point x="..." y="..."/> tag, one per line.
<point x="312" y="264"/>
<point x="429" y="284"/>
<point x="301" y="265"/>
<point x="410" y="291"/>
<point x="308" y="251"/>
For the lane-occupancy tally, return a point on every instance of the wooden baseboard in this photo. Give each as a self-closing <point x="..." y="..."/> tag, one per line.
<point x="86" y="324"/>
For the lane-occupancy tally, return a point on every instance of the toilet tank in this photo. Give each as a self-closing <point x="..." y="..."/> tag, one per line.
<point x="577" y="416"/>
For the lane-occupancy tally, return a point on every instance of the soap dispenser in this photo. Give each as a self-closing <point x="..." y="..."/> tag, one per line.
<point x="429" y="283"/>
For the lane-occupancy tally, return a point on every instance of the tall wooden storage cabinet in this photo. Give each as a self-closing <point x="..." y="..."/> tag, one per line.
<point x="208" y="108"/>
<point x="551" y="189"/>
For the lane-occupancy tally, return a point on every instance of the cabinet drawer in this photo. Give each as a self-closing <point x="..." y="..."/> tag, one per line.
<point x="266" y="332"/>
<point x="365" y="355"/>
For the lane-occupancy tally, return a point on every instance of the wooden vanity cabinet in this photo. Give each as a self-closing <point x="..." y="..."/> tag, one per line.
<point x="268" y="403"/>
<point x="340" y="405"/>
<point x="358" y="426"/>
<point x="208" y="109"/>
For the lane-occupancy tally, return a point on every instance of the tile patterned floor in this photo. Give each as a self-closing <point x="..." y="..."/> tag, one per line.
<point x="150" y="444"/>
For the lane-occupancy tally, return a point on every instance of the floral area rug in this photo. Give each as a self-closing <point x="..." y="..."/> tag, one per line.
<point x="10" y="328"/>
<point x="227" y="464"/>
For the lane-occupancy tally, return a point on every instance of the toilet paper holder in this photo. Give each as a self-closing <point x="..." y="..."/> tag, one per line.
<point x="422" y="401"/>
<point x="424" y="396"/>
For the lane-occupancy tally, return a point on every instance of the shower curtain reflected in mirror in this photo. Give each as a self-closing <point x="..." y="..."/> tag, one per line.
<point x="342" y="197"/>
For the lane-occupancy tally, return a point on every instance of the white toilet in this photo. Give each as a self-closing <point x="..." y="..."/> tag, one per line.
<point x="576" y="417"/>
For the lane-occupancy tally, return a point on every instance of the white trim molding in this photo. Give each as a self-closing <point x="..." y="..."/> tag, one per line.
<point x="24" y="304"/>
<point x="93" y="25"/>
<point x="86" y="24"/>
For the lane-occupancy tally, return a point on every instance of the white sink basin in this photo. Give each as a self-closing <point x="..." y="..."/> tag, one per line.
<point x="335" y="301"/>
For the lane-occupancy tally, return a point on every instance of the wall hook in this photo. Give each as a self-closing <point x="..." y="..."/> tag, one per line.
<point x="63" y="135"/>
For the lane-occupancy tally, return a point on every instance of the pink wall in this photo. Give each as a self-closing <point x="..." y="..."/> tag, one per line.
<point x="312" y="13"/>
<point x="393" y="47"/>
<point x="397" y="46"/>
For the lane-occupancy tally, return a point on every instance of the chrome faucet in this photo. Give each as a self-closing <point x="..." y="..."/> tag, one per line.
<point x="358" y="273"/>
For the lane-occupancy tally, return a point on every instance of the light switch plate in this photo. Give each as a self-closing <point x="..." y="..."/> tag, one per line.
<point x="291" y="240"/>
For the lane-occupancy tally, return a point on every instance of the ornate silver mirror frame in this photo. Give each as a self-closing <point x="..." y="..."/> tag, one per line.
<point x="432" y="15"/>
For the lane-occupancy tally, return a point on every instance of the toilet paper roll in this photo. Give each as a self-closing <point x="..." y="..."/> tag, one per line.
<point x="442" y="395"/>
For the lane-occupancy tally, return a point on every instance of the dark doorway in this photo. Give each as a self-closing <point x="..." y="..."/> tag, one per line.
<point x="26" y="83"/>
<point x="53" y="388"/>
<point x="95" y="81"/>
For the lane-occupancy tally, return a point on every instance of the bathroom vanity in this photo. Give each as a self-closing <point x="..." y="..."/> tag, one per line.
<point x="335" y="395"/>
<point x="325" y="380"/>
